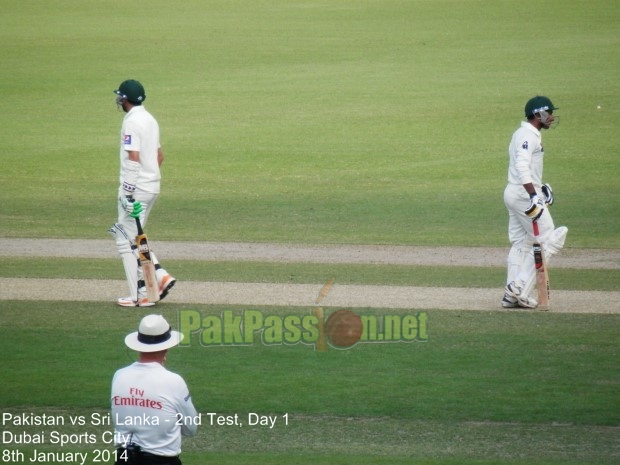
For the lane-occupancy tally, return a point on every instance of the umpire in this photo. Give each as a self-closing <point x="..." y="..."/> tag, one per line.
<point x="151" y="406"/>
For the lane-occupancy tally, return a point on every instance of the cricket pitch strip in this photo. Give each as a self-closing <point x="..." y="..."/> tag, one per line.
<point x="279" y="294"/>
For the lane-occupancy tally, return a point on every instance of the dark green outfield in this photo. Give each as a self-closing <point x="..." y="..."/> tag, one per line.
<point x="503" y="386"/>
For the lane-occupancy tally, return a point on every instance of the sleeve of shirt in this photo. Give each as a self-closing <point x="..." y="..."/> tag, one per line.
<point x="523" y="160"/>
<point x="189" y="428"/>
<point x="186" y="408"/>
<point x="131" y="137"/>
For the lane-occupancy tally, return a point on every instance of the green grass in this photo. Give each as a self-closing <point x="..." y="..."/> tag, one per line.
<point x="485" y="384"/>
<point x="308" y="273"/>
<point x="322" y="122"/>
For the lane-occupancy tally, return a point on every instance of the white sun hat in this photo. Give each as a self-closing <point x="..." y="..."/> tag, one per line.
<point x="154" y="334"/>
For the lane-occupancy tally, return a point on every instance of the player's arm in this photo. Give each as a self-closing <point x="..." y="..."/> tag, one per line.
<point x="160" y="156"/>
<point x="189" y="414"/>
<point x="184" y="406"/>
<point x="522" y="162"/>
<point x="547" y="192"/>
<point x="130" y="177"/>
<point x="530" y="189"/>
<point x="522" y="165"/>
<point x="133" y="155"/>
<point x="130" y="173"/>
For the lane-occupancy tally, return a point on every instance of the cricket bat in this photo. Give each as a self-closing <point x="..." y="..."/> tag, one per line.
<point x="148" y="268"/>
<point x="542" y="274"/>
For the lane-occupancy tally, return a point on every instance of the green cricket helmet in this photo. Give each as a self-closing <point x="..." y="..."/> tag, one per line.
<point x="538" y="104"/>
<point x="132" y="91"/>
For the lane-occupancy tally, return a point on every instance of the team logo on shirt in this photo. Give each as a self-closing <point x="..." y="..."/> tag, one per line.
<point x="524" y="146"/>
<point x="127" y="139"/>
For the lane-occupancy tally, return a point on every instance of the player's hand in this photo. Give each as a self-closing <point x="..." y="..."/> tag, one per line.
<point x="548" y="193"/>
<point x="536" y="208"/>
<point x="126" y="202"/>
<point x="137" y="209"/>
<point x="132" y="207"/>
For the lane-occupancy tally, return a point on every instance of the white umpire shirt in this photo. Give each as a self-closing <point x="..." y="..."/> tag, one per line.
<point x="154" y="406"/>
<point x="526" y="156"/>
<point x="140" y="133"/>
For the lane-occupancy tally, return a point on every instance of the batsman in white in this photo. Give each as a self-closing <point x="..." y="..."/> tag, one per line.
<point x="141" y="157"/>
<point x="527" y="199"/>
<point x="151" y="406"/>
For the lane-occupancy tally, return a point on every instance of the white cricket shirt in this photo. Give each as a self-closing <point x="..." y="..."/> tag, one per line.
<point x="154" y="404"/>
<point x="526" y="156"/>
<point x="140" y="133"/>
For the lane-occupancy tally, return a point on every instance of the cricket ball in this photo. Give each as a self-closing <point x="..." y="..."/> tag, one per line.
<point x="344" y="328"/>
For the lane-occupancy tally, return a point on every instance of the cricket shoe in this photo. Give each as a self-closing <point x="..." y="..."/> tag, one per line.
<point x="509" y="302"/>
<point x="166" y="283"/>
<point x="142" y="301"/>
<point x="515" y="290"/>
<point x="129" y="302"/>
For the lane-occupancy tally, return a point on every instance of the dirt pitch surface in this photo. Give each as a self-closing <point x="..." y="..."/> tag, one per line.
<point x="345" y="296"/>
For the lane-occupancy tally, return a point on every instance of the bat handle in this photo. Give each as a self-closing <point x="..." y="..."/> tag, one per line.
<point x="139" y="225"/>
<point x="534" y="225"/>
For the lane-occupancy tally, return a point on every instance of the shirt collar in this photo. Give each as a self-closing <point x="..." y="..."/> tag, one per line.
<point x="528" y="125"/>
<point x="135" y="109"/>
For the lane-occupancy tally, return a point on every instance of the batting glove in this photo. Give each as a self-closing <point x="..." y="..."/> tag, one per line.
<point x="132" y="208"/>
<point x="548" y="193"/>
<point x="536" y="208"/>
<point x="137" y="209"/>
